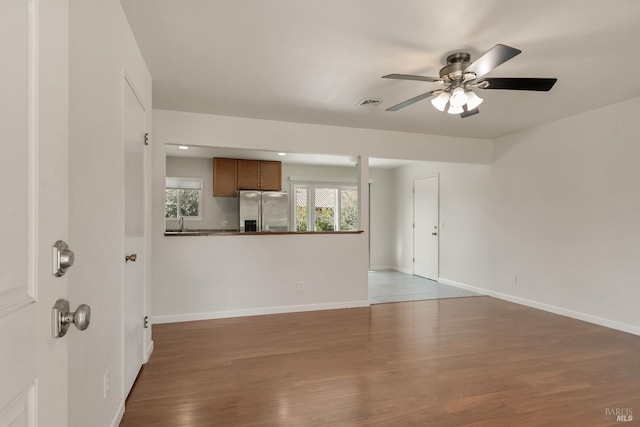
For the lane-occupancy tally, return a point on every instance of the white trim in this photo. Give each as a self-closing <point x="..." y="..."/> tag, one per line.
<point x="322" y="179"/>
<point x="314" y="179"/>
<point x="403" y="270"/>
<point x="148" y="352"/>
<point x="624" y="327"/>
<point x="7" y="308"/>
<point x="375" y="268"/>
<point x="134" y="89"/>
<point x="33" y="150"/>
<point x="188" y="317"/>
<point x="117" y="417"/>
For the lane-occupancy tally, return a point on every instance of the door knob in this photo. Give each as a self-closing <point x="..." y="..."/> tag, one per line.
<point x="61" y="318"/>
<point x="131" y="258"/>
<point x="435" y="234"/>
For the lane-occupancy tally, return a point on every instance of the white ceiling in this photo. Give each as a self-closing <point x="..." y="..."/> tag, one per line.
<point x="312" y="62"/>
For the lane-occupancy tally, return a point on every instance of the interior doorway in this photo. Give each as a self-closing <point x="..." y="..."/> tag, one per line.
<point x="426" y="202"/>
<point x="134" y="235"/>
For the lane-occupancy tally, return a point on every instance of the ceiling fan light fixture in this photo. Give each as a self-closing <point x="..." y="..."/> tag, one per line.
<point x="473" y="100"/>
<point x="458" y="97"/>
<point x="454" y="109"/>
<point x="440" y="101"/>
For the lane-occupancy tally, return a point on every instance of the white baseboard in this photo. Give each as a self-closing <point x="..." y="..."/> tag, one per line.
<point x="188" y="317"/>
<point x="380" y="267"/>
<point x="147" y="355"/>
<point x="624" y="327"/>
<point x="402" y="270"/>
<point x="117" y="418"/>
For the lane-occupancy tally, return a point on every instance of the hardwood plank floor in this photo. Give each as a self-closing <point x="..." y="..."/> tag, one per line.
<point x="474" y="361"/>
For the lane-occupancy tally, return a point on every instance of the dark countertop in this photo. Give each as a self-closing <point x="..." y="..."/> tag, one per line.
<point x="228" y="232"/>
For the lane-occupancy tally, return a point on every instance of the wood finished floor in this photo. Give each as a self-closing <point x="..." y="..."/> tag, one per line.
<point x="455" y="362"/>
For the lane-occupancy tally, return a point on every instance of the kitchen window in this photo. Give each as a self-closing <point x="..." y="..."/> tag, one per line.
<point x="183" y="198"/>
<point x="325" y="207"/>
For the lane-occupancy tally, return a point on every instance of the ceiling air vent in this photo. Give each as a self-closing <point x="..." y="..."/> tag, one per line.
<point x="369" y="102"/>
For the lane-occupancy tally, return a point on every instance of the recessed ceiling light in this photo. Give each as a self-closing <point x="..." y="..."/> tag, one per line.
<point x="183" y="147"/>
<point x="282" y="154"/>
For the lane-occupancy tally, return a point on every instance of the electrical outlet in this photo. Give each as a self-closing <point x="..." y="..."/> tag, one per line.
<point x="106" y="383"/>
<point x="225" y="223"/>
<point x="300" y="286"/>
<point x="514" y="279"/>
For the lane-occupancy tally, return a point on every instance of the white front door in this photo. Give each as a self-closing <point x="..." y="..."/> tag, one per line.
<point x="134" y="236"/>
<point x="425" y="232"/>
<point x="34" y="215"/>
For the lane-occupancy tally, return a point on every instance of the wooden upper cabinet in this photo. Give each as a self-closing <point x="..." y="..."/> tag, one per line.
<point x="248" y="174"/>
<point x="225" y="172"/>
<point x="231" y="175"/>
<point x="270" y="176"/>
<point x="259" y="175"/>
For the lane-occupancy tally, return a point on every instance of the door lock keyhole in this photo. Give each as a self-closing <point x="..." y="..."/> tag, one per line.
<point x="61" y="318"/>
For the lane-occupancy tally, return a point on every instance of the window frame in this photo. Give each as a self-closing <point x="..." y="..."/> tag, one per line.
<point x="182" y="183"/>
<point x="311" y="187"/>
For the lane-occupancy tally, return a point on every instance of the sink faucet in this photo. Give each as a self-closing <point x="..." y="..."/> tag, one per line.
<point x="181" y="223"/>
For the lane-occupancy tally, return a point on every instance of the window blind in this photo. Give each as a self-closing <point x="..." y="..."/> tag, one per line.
<point x="183" y="183"/>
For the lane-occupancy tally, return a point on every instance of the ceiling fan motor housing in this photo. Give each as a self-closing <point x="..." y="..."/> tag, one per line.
<point x="453" y="72"/>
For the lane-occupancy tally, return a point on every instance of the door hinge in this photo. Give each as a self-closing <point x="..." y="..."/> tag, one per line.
<point x="414" y="260"/>
<point x="146" y="139"/>
<point x="146" y="322"/>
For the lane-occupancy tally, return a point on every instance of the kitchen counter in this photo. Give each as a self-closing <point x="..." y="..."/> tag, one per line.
<point x="228" y="232"/>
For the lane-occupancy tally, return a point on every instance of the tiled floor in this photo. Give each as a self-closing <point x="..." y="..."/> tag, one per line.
<point x="392" y="286"/>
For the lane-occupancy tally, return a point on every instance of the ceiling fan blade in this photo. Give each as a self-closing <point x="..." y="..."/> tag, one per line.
<point x="412" y="100"/>
<point x="410" y="77"/>
<point x="467" y="113"/>
<point x="497" y="55"/>
<point x="520" y="83"/>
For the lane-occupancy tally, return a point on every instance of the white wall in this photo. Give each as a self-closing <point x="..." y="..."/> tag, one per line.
<point x="558" y="208"/>
<point x="463" y="190"/>
<point x="316" y="171"/>
<point x="102" y="50"/>
<point x="381" y="213"/>
<point x="216" y="276"/>
<point x="564" y="211"/>
<point x="225" y="276"/>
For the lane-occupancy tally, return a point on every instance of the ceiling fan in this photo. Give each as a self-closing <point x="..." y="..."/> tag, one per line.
<point x="460" y="76"/>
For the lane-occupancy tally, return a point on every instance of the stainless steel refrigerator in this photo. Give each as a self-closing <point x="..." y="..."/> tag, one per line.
<point x="264" y="211"/>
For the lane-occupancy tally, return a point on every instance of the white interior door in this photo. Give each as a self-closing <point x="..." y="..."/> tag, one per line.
<point x="34" y="215"/>
<point x="134" y="237"/>
<point x="425" y="231"/>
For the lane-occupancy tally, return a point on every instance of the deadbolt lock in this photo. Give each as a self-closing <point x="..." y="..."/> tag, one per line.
<point x="61" y="318"/>
<point x="63" y="258"/>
